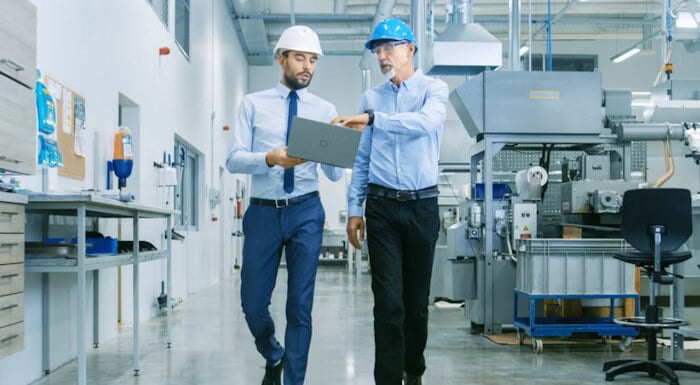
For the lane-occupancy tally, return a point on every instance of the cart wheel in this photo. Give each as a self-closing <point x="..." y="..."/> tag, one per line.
<point x="537" y="345"/>
<point x="625" y="344"/>
<point x="520" y="336"/>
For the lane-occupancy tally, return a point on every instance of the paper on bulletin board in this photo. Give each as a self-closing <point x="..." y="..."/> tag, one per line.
<point x="81" y="136"/>
<point x="55" y="89"/>
<point x="73" y="165"/>
<point x="67" y="100"/>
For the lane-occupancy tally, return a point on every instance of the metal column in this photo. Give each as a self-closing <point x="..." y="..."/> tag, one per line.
<point x="96" y="308"/>
<point x="136" y="317"/>
<point x="169" y="264"/>
<point x="492" y="147"/>
<point x="45" y="334"/>
<point x="82" y="364"/>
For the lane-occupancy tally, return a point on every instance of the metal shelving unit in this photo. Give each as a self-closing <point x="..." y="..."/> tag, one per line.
<point x="82" y="207"/>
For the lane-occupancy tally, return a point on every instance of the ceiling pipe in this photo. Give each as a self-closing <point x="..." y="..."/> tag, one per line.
<point x="514" y="35"/>
<point x="665" y="32"/>
<point x="571" y="19"/>
<point x="237" y="27"/>
<point x="292" y="15"/>
<point x="366" y="79"/>
<point x="418" y="25"/>
<point x="384" y="10"/>
<point x="403" y="9"/>
<point x="556" y="17"/>
<point x="274" y="30"/>
<point x="461" y="12"/>
<point x="339" y="6"/>
<point x="322" y="28"/>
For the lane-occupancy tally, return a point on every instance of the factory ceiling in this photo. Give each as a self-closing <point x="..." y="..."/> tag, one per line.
<point x="344" y="25"/>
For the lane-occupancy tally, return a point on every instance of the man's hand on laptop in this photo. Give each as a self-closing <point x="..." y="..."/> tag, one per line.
<point x="279" y="157"/>
<point x="358" y="122"/>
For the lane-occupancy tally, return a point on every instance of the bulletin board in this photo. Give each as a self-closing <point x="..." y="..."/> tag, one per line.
<point x="70" y="117"/>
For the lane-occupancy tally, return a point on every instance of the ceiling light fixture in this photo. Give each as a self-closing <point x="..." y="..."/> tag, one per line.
<point x="523" y="50"/>
<point x="626" y="54"/>
<point x="685" y="19"/>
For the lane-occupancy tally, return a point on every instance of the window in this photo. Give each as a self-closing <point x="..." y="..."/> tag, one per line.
<point x="187" y="192"/>
<point x="182" y="25"/>
<point x="564" y="62"/>
<point x="161" y="9"/>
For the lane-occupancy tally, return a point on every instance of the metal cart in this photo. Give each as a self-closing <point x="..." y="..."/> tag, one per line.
<point x="537" y="327"/>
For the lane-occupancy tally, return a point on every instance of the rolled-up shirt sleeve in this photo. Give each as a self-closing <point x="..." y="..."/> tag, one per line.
<point x="333" y="173"/>
<point x="241" y="159"/>
<point x="357" y="191"/>
<point x="418" y="123"/>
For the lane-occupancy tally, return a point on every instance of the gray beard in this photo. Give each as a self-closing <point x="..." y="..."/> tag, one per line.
<point x="389" y="75"/>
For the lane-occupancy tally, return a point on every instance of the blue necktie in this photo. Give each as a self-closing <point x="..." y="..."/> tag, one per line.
<point x="289" y="172"/>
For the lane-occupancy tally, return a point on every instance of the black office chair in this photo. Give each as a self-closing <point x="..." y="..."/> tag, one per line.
<point x="656" y="222"/>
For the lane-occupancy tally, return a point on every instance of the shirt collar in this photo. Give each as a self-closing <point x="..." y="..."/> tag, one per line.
<point x="409" y="83"/>
<point x="284" y="91"/>
<point x="414" y="80"/>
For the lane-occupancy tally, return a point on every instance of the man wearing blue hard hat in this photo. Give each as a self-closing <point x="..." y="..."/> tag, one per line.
<point x="395" y="175"/>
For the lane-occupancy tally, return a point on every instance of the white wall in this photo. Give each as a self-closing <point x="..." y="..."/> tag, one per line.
<point x="101" y="49"/>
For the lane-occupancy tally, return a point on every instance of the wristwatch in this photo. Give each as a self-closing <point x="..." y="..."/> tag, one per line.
<point x="370" y="112"/>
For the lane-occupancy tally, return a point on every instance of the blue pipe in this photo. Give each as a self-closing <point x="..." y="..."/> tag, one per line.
<point x="549" y="35"/>
<point x="669" y="25"/>
<point x="109" y="175"/>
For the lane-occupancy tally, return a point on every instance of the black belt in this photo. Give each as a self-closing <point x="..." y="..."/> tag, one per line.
<point x="283" y="202"/>
<point x="402" y="195"/>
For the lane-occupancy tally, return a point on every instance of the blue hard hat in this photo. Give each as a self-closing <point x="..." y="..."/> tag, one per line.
<point x="391" y="29"/>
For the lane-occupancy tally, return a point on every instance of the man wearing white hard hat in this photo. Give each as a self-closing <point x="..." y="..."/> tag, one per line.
<point x="285" y="211"/>
<point x="395" y="176"/>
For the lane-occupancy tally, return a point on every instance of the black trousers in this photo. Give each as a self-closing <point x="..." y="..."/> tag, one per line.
<point x="401" y="238"/>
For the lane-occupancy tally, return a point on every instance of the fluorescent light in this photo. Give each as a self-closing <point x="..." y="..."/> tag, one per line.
<point x="685" y="19"/>
<point x="523" y="50"/>
<point x="625" y="55"/>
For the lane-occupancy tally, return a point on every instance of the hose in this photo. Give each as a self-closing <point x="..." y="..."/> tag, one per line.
<point x="510" y="249"/>
<point x="668" y="158"/>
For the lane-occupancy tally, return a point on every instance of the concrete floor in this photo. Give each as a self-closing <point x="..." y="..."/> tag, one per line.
<point x="212" y="346"/>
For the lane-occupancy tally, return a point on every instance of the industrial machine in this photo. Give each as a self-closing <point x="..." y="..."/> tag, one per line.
<point x="591" y="146"/>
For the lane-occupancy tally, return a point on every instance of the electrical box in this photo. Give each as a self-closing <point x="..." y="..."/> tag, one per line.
<point x="524" y="220"/>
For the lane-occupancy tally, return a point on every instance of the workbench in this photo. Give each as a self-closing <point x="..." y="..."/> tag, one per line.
<point x="81" y="207"/>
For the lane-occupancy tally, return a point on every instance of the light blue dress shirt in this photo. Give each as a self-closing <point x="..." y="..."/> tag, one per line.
<point x="261" y="126"/>
<point x="402" y="147"/>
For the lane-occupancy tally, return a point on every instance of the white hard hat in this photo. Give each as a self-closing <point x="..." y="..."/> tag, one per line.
<point x="298" y="38"/>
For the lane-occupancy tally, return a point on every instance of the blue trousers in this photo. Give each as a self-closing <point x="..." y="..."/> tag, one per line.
<point x="298" y="229"/>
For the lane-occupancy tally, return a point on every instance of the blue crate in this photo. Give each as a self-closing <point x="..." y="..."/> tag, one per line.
<point x="499" y="190"/>
<point x="106" y="245"/>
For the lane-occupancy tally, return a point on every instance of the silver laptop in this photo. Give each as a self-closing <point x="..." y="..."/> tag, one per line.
<point x="323" y="142"/>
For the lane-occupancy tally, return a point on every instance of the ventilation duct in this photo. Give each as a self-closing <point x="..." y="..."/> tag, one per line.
<point x="464" y="48"/>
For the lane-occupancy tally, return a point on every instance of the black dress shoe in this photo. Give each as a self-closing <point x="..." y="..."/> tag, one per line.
<point x="413" y="379"/>
<point x="273" y="374"/>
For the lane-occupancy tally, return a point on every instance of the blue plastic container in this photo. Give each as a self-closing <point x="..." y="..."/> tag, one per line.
<point x="93" y="245"/>
<point x="499" y="190"/>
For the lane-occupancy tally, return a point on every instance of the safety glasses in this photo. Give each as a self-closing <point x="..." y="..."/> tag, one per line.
<point x="388" y="47"/>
